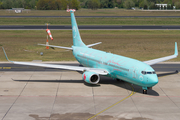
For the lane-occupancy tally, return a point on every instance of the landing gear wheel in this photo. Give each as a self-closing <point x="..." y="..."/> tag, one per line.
<point x="144" y="91"/>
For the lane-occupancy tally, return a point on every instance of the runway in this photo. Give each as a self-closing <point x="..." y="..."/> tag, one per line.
<point x="91" y="27"/>
<point x="166" y="67"/>
<point x="90" y="16"/>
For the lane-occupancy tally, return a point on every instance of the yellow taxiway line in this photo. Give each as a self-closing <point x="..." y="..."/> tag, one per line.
<point x="132" y="93"/>
<point x="5" y="67"/>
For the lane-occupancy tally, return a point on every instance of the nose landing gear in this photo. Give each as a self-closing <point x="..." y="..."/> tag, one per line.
<point x="144" y="90"/>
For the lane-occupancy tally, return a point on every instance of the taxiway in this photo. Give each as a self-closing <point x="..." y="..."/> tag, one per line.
<point x="63" y="95"/>
<point x="91" y="27"/>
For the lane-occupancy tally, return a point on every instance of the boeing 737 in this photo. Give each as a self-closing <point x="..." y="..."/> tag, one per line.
<point x="96" y="63"/>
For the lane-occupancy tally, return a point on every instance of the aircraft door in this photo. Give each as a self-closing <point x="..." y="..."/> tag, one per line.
<point x="133" y="73"/>
<point x="141" y="76"/>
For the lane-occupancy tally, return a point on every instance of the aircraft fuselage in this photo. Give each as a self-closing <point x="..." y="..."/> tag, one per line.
<point x="120" y="67"/>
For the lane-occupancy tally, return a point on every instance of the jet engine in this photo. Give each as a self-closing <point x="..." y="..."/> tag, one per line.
<point x="90" y="77"/>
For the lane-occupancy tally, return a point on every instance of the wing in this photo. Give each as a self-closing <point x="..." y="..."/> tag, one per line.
<point x="154" y="61"/>
<point x="74" y="68"/>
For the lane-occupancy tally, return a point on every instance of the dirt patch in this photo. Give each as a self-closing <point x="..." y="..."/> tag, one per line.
<point x="81" y="116"/>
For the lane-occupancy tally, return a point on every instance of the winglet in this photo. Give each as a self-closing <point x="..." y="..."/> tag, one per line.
<point x="6" y="55"/>
<point x="176" y="49"/>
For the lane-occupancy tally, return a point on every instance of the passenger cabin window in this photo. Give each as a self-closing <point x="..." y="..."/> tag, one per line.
<point x="149" y="72"/>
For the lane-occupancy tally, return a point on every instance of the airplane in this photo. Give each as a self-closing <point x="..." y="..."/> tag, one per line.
<point x="96" y="63"/>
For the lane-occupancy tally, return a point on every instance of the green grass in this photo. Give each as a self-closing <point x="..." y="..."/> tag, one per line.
<point x="90" y="21"/>
<point x="139" y="44"/>
<point x="89" y="12"/>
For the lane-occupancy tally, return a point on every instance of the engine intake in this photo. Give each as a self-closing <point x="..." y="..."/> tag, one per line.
<point x="91" y="77"/>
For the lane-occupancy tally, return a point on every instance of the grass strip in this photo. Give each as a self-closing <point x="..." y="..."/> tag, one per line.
<point x="90" y="21"/>
<point x="139" y="44"/>
<point x="89" y="12"/>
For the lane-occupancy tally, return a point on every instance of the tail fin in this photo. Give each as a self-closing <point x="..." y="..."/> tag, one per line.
<point x="176" y="49"/>
<point x="75" y="31"/>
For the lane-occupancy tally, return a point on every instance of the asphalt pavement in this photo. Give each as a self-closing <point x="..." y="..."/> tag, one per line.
<point x="91" y="27"/>
<point x="14" y="67"/>
<point x="63" y="95"/>
<point x="90" y="16"/>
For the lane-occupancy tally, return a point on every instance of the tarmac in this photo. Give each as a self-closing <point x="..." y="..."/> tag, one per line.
<point x="63" y="95"/>
<point x="91" y="27"/>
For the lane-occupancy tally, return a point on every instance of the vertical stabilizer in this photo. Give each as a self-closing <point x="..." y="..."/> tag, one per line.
<point x="75" y="31"/>
<point x="176" y="49"/>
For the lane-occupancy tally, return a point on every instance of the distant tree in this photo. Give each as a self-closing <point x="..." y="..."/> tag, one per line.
<point x="144" y="4"/>
<point x="129" y="4"/>
<point x="23" y="3"/>
<point x="58" y="4"/>
<point x="64" y="4"/>
<point x="75" y="4"/>
<point x="169" y="7"/>
<point x="104" y="3"/>
<point x="18" y="4"/>
<point x="93" y="4"/>
<point x="136" y="3"/>
<point x="83" y="4"/>
<point x="167" y="1"/>
<point x="111" y="4"/>
<point x="141" y="4"/>
<point x="107" y="3"/>
<point x="7" y="4"/>
<point x="52" y="5"/>
<point x="152" y="6"/>
<point x="177" y="4"/>
<point x="32" y="4"/>
<point x="1" y="5"/>
<point x="42" y="5"/>
<point x="46" y="5"/>
<point x="174" y="1"/>
<point x="69" y="3"/>
<point x="119" y="3"/>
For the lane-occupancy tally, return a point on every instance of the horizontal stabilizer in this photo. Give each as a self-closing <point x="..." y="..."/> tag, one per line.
<point x="68" y="48"/>
<point x="94" y="44"/>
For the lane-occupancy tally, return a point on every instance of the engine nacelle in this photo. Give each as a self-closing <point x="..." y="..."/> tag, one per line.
<point x="91" y="77"/>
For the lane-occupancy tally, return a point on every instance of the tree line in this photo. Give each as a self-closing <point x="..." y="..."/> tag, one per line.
<point x="91" y="4"/>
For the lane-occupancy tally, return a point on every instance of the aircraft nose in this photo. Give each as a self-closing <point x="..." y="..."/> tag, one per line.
<point x="153" y="80"/>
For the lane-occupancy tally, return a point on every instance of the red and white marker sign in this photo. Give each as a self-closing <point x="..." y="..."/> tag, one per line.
<point x="49" y="33"/>
<point x="68" y="10"/>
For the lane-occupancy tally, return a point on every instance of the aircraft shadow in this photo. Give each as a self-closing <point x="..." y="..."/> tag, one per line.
<point x="104" y="80"/>
<point x="53" y="81"/>
<point x="127" y="86"/>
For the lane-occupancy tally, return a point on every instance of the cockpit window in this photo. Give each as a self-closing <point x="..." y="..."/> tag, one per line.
<point x="143" y="72"/>
<point x="149" y="72"/>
